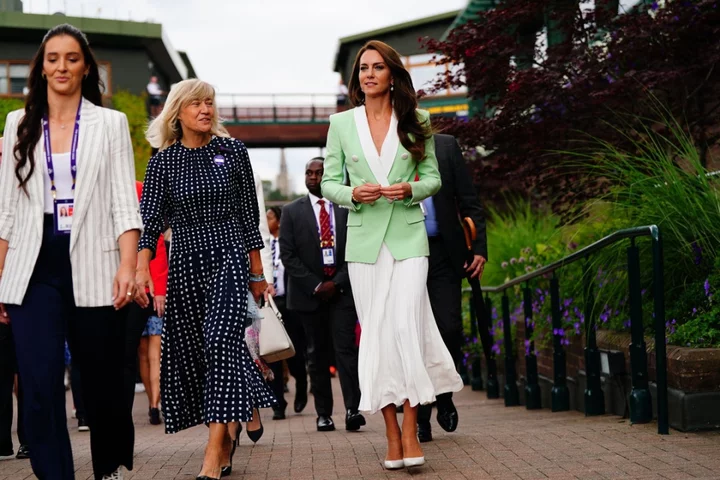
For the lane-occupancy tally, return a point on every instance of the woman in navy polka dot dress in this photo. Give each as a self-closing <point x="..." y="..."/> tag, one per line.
<point x="201" y="183"/>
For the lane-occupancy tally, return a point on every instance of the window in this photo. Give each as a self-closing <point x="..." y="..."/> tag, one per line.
<point x="4" y="86"/>
<point x="424" y="72"/>
<point x="18" y="78"/>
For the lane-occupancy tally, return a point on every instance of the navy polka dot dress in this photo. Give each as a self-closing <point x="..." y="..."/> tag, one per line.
<point x="207" y="195"/>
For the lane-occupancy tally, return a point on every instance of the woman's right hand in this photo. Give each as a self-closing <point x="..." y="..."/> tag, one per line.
<point x="143" y="281"/>
<point x="4" y="317"/>
<point x="367" y="193"/>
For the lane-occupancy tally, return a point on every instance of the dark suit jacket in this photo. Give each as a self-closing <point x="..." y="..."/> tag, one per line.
<point x="301" y="255"/>
<point x="457" y="199"/>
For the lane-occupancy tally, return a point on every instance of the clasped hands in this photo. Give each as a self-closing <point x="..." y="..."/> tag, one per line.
<point x="370" y="192"/>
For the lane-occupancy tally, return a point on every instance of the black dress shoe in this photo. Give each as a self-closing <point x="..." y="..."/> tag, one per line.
<point x="23" y="452"/>
<point x="300" y="398"/>
<point x="205" y="477"/>
<point x="353" y="421"/>
<point x="447" y="416"/>
<point x="278" y="413"/>
<point x="424" y="432"/>
<point x="325" y="424"/>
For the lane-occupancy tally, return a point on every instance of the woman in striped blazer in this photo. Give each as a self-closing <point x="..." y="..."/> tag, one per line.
<point x="69" y="276"/>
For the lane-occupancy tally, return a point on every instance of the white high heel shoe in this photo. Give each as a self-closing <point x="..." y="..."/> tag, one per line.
<point x="394" y="464"/>
<point x="414" y="461"/>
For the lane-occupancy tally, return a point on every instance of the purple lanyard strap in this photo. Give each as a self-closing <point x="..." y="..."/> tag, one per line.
<point x="73" y="151"/>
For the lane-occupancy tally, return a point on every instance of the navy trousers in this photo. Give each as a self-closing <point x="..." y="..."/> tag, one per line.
<point x="96" y="337"/>
<point x="8" y="369"/>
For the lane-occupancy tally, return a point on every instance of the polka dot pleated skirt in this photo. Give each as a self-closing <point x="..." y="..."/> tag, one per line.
<point x="207" y="374"/>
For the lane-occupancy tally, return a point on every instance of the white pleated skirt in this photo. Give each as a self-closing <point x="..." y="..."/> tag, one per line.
<point x="402" y="355"/>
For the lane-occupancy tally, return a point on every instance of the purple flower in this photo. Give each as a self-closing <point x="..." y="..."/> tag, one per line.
<point x="565" y="341"/>
<point x="496" y="349"/>
<point x="609" y="79"/>
<point x="513" y="261"/>
<point x="567" y="302"/>
<point x="529" y="268"/>
<point x="577" y="328"/>
<point x="572" y="246"/>
<point x="643" y="291"/>
<point x="697" y="249"/>
<point x="504" y="265"/>
<point x="707" y="288"/>
<point x="626" y="324"/>
<point x="521" y="260"/>
<point x="654" y="6"/>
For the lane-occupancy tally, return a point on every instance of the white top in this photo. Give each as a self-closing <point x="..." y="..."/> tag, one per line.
<point x="154" y="89"/>
<point x="278" y="268"/>
<point x="63" y="179"/>
<point x="316" y="208"/>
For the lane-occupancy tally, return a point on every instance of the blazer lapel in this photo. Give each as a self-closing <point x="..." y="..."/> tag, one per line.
<point x="368" y="147"/>
<point x="389" y="148"/>
<point x="88" y="164"/>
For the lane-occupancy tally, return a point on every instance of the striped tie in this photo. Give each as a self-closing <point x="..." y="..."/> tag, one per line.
<point x="273" y="247"/>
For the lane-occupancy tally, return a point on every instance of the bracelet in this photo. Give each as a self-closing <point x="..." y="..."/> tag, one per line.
<point x="255" y="278"/>
<point x="352" y="196"/>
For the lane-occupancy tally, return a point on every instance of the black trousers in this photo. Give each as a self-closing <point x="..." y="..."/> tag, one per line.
<point x="96" y="338"/>
<point x="76" y="389"/>
<point x="445" y="292"/>
<point x="296" y="364"/>
<point x="332" y="327"/>
<point x="8" y="368"/>
<point x="137" y="319"/>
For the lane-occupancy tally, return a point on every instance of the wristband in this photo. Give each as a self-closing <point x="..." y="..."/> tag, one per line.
<point x="255" y="278"/>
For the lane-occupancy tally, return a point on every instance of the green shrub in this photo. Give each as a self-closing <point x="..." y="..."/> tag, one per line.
<point x="7" y="105"/>
<point x="661" y="181"/>
<point x="134" y="106"/>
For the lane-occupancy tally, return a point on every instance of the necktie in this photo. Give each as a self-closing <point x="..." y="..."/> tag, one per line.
<point x="273" y="248"/>
<point x="326" y="235"/>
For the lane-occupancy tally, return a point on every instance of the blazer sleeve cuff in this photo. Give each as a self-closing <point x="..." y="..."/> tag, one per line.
<point x="128" y="222"/>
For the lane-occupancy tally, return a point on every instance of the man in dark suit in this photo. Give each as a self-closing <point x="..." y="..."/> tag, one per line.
<point x="448" y="263"/>
<point x="312" y="249"/>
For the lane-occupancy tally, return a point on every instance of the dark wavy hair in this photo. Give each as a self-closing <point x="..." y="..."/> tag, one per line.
<point x="277" y="211"/>
<point x="412" y="133"/>
<point x="29" y="129"/>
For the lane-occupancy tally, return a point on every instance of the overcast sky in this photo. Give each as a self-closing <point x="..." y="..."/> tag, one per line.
<point x="260" y="46"/>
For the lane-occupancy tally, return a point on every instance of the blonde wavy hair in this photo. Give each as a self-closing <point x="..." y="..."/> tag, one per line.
<point x="165" y="129"/>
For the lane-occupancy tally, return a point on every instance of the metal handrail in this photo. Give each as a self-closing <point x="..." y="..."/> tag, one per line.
<point x="648" y="231"/>
<point x="640" y="401"/>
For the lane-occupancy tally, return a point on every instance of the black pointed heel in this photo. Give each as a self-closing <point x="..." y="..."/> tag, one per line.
<point x="225" y="471"/>
<point x="205" y="477"/>
<point x="255" y="435"/>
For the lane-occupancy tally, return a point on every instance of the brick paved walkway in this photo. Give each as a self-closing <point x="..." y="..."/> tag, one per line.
<point x="493" y="442"/>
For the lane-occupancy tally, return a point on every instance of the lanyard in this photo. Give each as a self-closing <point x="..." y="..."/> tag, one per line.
<point x="73" y="151"/>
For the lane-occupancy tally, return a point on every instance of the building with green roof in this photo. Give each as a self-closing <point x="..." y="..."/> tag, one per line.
<point x="129" y="53"/>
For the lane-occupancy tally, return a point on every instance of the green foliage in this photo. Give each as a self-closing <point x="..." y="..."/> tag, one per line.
<point x="134" y="106"/>
<point x="660" y="181"/>
<point x="7" y="105"/>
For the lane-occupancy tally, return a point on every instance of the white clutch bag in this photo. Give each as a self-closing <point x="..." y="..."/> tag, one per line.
<point x="275" y="343"/>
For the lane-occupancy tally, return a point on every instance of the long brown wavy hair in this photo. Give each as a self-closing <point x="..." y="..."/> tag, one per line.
<point x="412" y="133"/>
<point x="36" y="106"/>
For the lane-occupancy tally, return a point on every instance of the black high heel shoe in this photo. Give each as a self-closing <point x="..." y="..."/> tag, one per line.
<point x="205" y="477"/>
<point x="225" y="471"/>
<point x="255" y="435"/>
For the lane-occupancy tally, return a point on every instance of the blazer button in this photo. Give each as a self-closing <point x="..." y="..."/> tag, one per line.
<point x="404" y="156"/>
<point x="354" y="158"/>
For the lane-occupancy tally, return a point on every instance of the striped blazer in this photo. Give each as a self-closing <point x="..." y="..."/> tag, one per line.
<point x="106" y="206"/>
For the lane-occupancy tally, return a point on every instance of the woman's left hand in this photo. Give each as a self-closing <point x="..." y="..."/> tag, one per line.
<point x="398" y="191"/>
<point x="257" y="289"/>
<point x="123" y="286"/>
<point x="159" y="304"/>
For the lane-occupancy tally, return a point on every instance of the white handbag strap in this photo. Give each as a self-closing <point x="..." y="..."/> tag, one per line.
<point x="274" y="308"/>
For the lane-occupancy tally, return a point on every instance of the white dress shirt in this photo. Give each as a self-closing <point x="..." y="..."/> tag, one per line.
<point x="328" y="208"/>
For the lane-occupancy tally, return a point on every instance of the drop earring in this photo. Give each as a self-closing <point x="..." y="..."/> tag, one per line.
<point x="392" y="87"/>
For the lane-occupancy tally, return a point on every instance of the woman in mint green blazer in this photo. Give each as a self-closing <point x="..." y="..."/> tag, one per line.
<point x="385" y="144"/>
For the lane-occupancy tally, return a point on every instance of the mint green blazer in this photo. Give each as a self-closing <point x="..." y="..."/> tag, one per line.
<point x="401" y="224"/>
